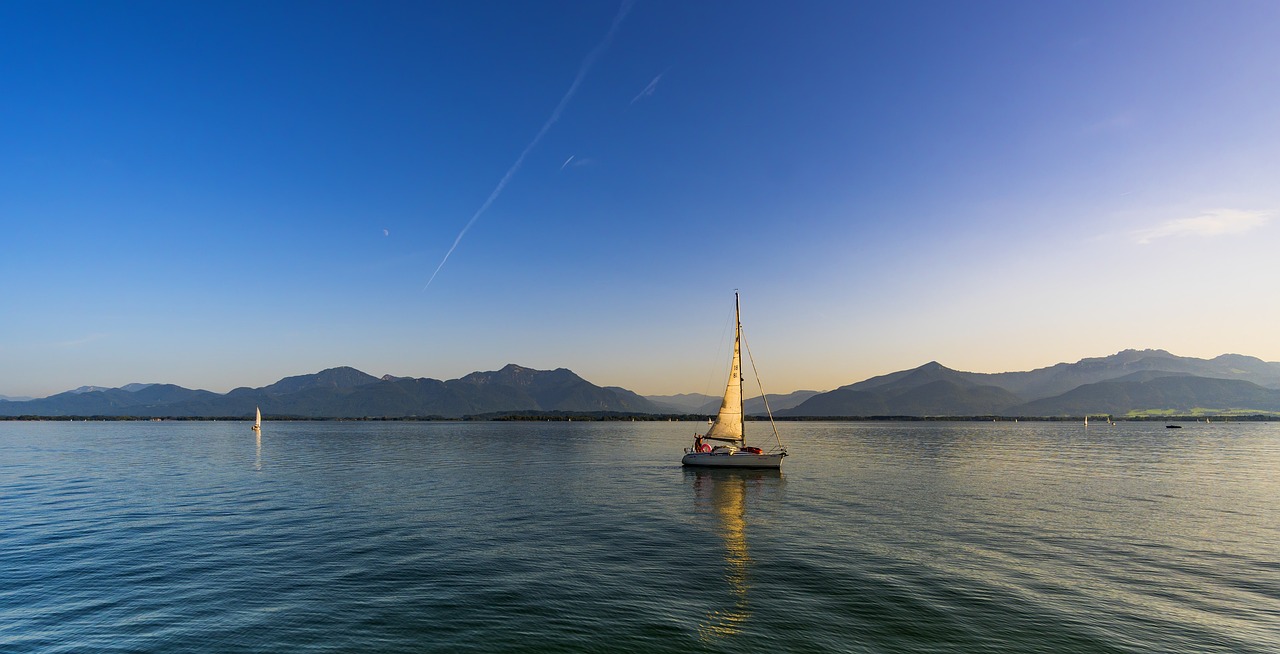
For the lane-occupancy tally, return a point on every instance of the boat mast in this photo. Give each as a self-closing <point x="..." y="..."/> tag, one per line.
<point x="737" y="355"/>
<point x="728" y="425"/>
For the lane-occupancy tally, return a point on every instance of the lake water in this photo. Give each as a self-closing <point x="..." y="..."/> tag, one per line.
<point x="590" y="537"/>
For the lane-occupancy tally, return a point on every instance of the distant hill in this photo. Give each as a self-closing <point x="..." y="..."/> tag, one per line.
<point x="340" y="378"/>
<point x="1135" y="380"/>
<point x="930" y="390"/>
<point x="1131" y="381"/>
<point x="1060" y="378"/>
<point x="111" y="402"/>
<point x="90" y="389"/>
<point x="684" y="402"/>
<point x="631" y="398"/>
<point x="754" y="406"/>
<point x="699" y="404"/>
<point x="1181" y="394"/>
<point x="349" y="393"/>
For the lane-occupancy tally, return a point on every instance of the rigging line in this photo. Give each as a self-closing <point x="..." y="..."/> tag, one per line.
<point x="763" y="396"/>
<point x="724" y="331"/>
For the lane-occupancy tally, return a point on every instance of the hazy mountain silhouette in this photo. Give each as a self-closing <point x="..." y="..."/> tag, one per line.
<point x="340" y="378"/>
<point x="684" y="402"/>
<point x="349" y="393"/>
<point x="930" y="390"/>
<point x="111" y="402"/>
<point x="699" y="404"/>
<point x="1178" y="393"/>
<point x="754" y="406"/>
<point x="1060" y="378"/>
<point x="1131" y="380"/>
<point x="1063" y="389"/>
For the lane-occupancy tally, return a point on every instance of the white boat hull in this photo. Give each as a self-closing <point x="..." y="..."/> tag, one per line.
<point x="734" y="460"/>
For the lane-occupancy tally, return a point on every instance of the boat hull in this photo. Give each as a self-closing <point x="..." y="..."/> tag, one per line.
<point x="734" y="460"/>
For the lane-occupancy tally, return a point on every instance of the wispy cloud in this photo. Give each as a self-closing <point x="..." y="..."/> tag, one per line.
<point x="1115" y="122"/>
<point x="79" y="342"/>
<point x="648" y="90"/>
<point x="590" y="59"/>
<point x="1218" y="222"/>
<point x="577" y="162"/>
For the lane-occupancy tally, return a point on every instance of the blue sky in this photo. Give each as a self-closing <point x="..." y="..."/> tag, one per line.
<point x="217" y="194"/>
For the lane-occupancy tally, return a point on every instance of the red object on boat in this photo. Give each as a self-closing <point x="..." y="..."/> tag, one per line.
<point x="753" y="450"/>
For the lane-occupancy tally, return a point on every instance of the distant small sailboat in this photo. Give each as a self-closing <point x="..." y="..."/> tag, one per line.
<point x="257" y="420"/>
<point x="728" y="425"/>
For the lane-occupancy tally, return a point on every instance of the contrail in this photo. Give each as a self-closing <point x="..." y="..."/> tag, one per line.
<point x="566" y="162"/>
<point x="648" y="90"/>
<point x="555" y="116"/>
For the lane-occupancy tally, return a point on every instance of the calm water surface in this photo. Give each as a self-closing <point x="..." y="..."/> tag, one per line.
<point x="580" y="537"/>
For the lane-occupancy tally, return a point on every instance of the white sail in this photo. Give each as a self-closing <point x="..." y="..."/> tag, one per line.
<point x="257" y="419"/>
<point x="728" y="425"/>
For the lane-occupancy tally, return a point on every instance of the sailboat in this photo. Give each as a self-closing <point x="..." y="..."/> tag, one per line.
<point x="728" y="426"/>
<point x="257" y="420"/>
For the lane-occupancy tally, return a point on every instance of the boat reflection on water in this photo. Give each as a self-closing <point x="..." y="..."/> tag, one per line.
<point x="257" y="436"/>
<point x="725" y="493"/>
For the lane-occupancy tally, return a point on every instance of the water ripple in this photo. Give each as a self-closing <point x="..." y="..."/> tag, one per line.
<point x="581" y="537"/>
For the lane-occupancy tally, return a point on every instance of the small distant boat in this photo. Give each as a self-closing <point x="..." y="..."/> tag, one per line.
<point x="257" y="420"/>
<point x="1173" y="426"/>
<point x="728" y="425"/>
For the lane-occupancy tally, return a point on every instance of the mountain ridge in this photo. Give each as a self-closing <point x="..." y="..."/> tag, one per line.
<point x="1057" y="390"/>
<point x="1126" y="382"/>
<point x="345" y="392"/>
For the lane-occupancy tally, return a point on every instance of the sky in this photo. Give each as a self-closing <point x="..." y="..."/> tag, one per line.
<point x="222" y="194"/>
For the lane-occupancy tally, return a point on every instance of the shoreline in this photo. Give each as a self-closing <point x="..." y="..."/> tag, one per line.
<point x="596" y="417"/>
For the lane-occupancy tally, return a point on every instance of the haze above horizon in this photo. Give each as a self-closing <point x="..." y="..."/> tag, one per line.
<point x="225" y="194"/>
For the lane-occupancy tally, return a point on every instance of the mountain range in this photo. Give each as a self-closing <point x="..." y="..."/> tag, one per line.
<point x="1127" y="383"/>
<point x="349" y="393"/>
<point x="698" y="403"/>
